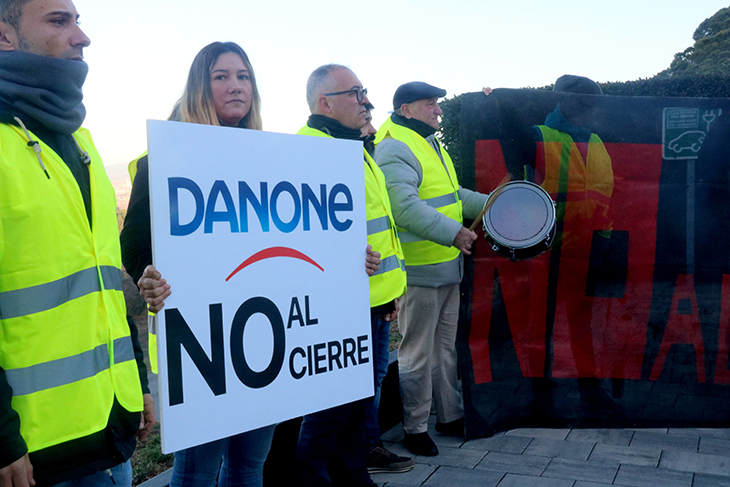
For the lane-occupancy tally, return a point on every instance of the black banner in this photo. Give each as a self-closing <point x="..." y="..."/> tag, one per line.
<point x="625" y="321"/>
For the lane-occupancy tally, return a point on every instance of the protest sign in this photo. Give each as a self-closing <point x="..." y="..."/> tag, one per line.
<point x="262" y="238"/>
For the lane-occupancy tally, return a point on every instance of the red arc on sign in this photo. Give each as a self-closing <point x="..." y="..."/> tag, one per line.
<point x="272" y="252"/>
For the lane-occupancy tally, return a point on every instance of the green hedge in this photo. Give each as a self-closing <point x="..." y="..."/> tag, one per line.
<point x="702" y="86"/>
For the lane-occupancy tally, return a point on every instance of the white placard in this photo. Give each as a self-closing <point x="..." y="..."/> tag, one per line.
<point x="262" y="238"/>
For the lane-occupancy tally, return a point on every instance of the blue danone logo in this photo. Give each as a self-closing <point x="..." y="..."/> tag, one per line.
<point x="323" y="208"/>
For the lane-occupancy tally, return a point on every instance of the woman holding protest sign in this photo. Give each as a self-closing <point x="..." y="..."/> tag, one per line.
<point x="220" y="90"/>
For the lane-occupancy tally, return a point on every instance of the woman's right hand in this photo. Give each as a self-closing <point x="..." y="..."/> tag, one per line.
<point x="153" y="288"/>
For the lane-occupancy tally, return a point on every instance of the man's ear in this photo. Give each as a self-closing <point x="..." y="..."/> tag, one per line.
<point x="405" y="109"/>
<point x="8" y="37"/>
<point x="324" y="105"/>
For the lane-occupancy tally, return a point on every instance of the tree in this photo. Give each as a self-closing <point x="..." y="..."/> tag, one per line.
<point x="710" y="54"/>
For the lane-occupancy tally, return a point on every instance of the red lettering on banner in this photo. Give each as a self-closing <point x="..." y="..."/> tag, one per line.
<point x="481" y="317"/>
<point x="490" y="169"/>
<point x="616" y="326"/>
<point x="523" y="285"/>
<point x="722" y="372"/>
<point x="682" y="327"/>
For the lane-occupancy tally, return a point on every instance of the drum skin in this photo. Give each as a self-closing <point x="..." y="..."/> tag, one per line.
<point x="519" y="222"/>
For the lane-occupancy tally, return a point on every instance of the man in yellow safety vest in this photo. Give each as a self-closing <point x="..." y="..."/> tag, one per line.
<point x="428" y="207"/>
<point x="71" y="371"/>
<point x="333" y="444"/>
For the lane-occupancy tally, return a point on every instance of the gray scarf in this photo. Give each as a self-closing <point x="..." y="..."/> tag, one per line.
<point x="42" y="90"/>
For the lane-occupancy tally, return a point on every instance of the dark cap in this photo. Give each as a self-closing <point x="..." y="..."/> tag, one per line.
<point x="569" y="83"/>
<point x="415" y="90"/>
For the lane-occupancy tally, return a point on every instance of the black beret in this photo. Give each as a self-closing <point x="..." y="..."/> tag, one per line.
<point x="413" y="91"/>
<point x="569" y="83"/>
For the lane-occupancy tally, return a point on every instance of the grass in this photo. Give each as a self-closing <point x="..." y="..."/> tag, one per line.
<point x="148" y="459"/>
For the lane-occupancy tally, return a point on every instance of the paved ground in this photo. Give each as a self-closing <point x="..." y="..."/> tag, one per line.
<point x="664" y="457"/>
<point x="667" y="457"/>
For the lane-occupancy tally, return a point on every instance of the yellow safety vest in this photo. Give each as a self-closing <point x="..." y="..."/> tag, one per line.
<point x="439" y="189"/>
<point x="65" y="344"/>
<point x="132" y="167"/>
<point x="582" y="189"/>
<point x="389" y="282"/>
<point x="151" y="317"/>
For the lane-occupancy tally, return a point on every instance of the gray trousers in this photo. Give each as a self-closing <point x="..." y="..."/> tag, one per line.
<point x="428" y="320"/>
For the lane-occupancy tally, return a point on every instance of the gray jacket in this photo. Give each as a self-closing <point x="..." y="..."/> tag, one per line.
<point x="403" y="176"/>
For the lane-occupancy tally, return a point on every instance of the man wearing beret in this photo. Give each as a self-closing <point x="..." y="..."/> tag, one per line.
<point x="428" y="207"/>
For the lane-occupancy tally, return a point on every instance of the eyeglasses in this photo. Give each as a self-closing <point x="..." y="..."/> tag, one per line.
<point x="359" y="92"/>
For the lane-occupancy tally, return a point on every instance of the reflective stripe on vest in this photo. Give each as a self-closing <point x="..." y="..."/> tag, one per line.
<point x="378" y="225"/>
<point x="389" y="282"/>
<point x="35" y="299"/>
<point x="66" y="370"/>
<point x="438" y="189"/>
<point x="66" y="346"/>
<point x="390" y="264"/>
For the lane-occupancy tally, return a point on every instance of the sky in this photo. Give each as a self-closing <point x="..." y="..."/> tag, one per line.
<point x="141" y="50"/>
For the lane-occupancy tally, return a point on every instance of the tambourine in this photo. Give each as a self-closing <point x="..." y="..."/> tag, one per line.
<point x="519" y="220"/>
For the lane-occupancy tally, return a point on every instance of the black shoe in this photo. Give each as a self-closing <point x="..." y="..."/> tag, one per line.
<point x="421" y="444"/>
<point x="381" y="460"/>
<point x="452" y="428"/>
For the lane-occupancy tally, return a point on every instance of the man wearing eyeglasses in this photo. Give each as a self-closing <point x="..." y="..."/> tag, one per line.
<point x="333" y="444"/>
<point x="428" y="207"/>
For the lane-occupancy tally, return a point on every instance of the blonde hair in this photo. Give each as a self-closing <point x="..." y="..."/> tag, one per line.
<point x="196" y="103"/>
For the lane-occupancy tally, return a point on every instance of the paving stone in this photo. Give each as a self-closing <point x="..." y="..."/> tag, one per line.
<point x="458" y="477"/>
<point x="572" y="450"/>
<point x="393" y="434"/>
<point x="633" y="455"/>
<point x="454" y="457"/>
<point x="713" y="432"/>
<point x="555" y="434"/>
<point x="503" y="443"/>
<point x="695" y="462"/>
<point x="512" y="480"/>
<point x="605" y="436"/>
<point x="665" y="442"/>
<point x="441" y="440"/>
<point x="705" y="480"/>
<point x="510" y="463"/>
<point x="581" y="470"/>
<point x="417" y="476"/>
<point x="638" y="476"/>
<point x="714" y="446"/>
<point x="535" y="457"/>
<point x="447" y="441"/>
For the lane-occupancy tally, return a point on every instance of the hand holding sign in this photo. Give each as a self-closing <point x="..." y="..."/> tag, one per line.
<point x="153" y="288"/>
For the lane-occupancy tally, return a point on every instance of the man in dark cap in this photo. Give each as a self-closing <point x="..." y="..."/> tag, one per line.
<point x="572" y="164"/>
<point x="428" y="207"/>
